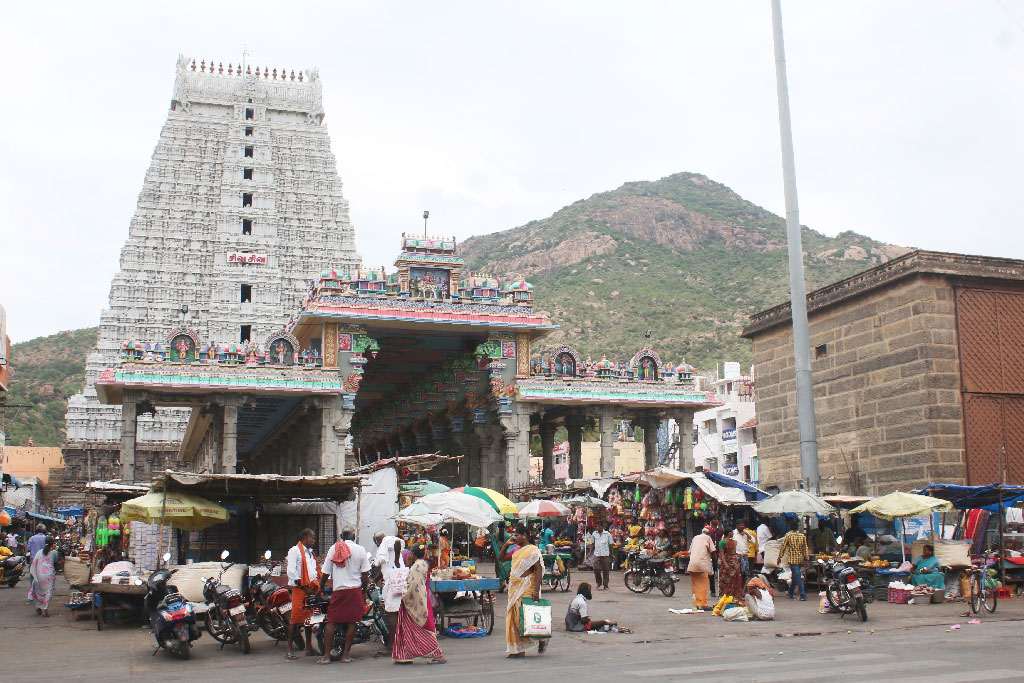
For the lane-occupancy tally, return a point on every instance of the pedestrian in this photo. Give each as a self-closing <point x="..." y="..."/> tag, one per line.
<point x="746" y="542"/>
<point x="794" y="550"/>
<point x="729" y="566"/>
<point x="764" y="534"/>
<point x="348" y="566"/>
<point x="525" y="578"/>
<point x="301" y="570"/>
<point x="388" y="557"/>
<point x="42" y="575"/>
<point x="36" y="543"/>
<point x="416" y="634"/>
<point x="12" y="540"/>
<point x="602" y="554"/>
<point x="716" y="537"/>
<point x="701" y="548"/>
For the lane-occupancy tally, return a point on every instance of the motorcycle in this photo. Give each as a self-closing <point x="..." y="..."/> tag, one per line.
<point x="272" y="606"/>
<point x="225" y="616"/>
<point x="372" y="626"/>
<point x="843" y="587"/>
<point x="11" y="570"/>
<point x="646" y="572"/>
<point x="170" y="614"/>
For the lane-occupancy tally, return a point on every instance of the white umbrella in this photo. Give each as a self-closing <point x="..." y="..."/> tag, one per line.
<point x="461" y="507"/>
<point x="795" y="502"/>
<point x="420" y="515"/>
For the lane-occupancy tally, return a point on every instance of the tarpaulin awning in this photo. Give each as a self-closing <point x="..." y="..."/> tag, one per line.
<point x="663" y="477"/>
<point x="724" y="479"/>
<point x="971" y="497"/>
<point x="266" y="487"/>
<point x="9" y="478"/>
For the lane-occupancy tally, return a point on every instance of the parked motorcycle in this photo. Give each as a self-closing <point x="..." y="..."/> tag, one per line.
<point x="11" y="570"/>
<point x="842" y="586"/>
<point x="646" y="572"/>
<point x="271" y="606"/>
<point x="170" y="614"/>
<point x="372" y="626"/>
<point x="225" y="616"/>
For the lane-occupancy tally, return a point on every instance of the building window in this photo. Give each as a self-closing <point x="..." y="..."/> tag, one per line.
<point x="248" y="131"/>
<point x="820" y="351"/>
<point x="246" y="174"/>
<point x="246" y="226"/>
<point x="246" y="294"/>
<point x="245" y="334"/>
<point x="249" y="151"/>
<point x="246" y="199"/>
<point x="250" y="113"/>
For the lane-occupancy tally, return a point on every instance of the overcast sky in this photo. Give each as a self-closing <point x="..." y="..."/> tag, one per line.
<point x="907" y="117"/>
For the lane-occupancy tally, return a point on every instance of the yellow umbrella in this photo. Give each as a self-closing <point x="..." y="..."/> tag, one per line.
<point x="899" y="504"/>
<point x="180" y="510"/>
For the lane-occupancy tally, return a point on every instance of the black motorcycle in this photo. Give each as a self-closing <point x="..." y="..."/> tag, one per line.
<point x="225" y="617"/>
<point x="843" y="587"/>
<point x="646" y="572"/>
<point x="170" y="614"/>
<point x="372" y="626"/>
<point x="11" y="570"/>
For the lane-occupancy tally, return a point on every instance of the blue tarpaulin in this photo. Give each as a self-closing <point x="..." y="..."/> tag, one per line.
<point x="976" y="497"/>
<point x="8" y="478"/>
<point x="752" y="492"/>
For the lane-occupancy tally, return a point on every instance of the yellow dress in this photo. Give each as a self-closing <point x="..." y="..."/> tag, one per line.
<point x="520" y="585"/>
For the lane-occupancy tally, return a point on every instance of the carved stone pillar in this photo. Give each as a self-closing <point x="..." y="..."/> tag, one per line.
<point x="129" y="424"/>
<point x="486" y="456"/>
<point x="229" y="438"/>
<point x="650" y="426"/>
<point x="684" y="420"/>
<point x="607" y="425"/>
<point x="516" y="438"/>
<point x="547" y="448"/>
<point x="334" y="425"/>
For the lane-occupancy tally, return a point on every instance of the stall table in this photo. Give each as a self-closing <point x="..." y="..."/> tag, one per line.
<point x="102" y="591"/>
<point x="477" y="611"/>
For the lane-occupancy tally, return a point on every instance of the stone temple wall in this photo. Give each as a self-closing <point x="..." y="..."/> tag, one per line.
<point x="242" y="189"/>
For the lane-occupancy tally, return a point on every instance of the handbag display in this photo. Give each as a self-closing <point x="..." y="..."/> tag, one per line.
<point x="535" y="618"/>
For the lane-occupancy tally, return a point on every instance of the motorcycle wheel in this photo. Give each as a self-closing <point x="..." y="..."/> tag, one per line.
<point x="184" y="650"/>
<point x="667" y="586"/>
<point x="13" y="583"/>
<point x="220" y="632"/>
<point x="862" y="610"/>
<point x="838" y="599"/>
<point x="634" y="581"/>
<point x="242" y="633"/>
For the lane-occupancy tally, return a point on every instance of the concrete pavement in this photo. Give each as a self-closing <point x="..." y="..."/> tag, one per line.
<point x="908" y="642"/>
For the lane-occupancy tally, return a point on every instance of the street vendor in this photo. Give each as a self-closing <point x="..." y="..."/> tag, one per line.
<point x="928" y="570"/>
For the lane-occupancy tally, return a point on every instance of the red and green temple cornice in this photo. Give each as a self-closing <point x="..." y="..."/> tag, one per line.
<point x="654" y="393"/>
<point x="358" y="308"/>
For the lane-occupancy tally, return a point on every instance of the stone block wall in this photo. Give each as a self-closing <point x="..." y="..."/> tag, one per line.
<point x="886" y="392"/>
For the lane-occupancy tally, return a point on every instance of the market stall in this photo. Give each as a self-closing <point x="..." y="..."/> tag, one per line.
<point x="557" y="574"/>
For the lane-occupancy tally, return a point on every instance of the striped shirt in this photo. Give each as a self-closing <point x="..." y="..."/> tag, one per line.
<point x="794" y="548"/>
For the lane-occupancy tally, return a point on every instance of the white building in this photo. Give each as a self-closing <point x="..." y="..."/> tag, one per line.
<point x="240" y="209"/>
<point x="725" y="437"/>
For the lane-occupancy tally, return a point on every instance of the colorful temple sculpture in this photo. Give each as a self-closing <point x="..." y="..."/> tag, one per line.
<point x="427" y="358"/>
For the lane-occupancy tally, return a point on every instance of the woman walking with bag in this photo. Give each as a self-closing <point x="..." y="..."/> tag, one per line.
<point x="525" y="578"/>
<point x="43" y="575"/>
<point x="415" y="635"/>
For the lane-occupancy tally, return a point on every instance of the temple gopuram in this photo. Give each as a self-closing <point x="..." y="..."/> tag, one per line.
<point x="373" y="365"/>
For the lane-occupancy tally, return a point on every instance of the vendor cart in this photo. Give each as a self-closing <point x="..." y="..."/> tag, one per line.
<point x="554" y="578"/>
<point x="474" y="608"/>
<point x="103" y="593"/>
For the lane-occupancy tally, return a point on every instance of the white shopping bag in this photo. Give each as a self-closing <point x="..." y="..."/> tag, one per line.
<point x="536" y="619"/>
<point x="398" y="580"/>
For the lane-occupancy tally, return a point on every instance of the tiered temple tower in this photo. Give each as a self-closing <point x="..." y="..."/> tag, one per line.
<point x="240" y="208"/>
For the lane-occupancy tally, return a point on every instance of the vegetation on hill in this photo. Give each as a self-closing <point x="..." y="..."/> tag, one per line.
<point x="45" y="372"/>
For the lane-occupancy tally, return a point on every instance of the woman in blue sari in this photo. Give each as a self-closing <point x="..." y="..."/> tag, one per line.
<point x="928" y="570"/>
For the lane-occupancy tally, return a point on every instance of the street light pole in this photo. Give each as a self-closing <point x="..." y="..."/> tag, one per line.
<point x="797" y="291"/>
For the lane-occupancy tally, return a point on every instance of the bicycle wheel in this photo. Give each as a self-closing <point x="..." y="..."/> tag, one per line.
<point x="989" y="599"/>
<point x="976" y="591"/>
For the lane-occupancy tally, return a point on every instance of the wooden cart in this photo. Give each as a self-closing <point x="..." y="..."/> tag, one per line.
<point x="552" y="579"/>
<point x="475" y="609"/>
<point x="101" y="592"/>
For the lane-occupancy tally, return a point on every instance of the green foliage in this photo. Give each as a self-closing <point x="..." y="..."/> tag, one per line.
<point x="45" y="372"/>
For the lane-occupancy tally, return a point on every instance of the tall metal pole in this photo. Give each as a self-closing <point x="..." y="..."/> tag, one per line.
<point x="798" y="296"/>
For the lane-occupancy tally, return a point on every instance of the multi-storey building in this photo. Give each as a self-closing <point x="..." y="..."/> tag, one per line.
<point x="723" y="434"/>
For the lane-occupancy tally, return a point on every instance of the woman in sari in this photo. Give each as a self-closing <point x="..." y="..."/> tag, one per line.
<point x="444" y="559"/>
<point x="43" y="575"/>
<point x="415" y="635"/>
<point x="525" y="577"/>
<point x="731" y="578"/>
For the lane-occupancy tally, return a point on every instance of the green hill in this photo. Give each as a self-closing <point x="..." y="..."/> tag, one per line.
<point x="684" y="257"/>
<point x="45" y="372"/>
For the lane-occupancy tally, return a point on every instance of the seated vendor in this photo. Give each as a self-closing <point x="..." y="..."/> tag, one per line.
<point x="928" y="571"/>
<point x="662" y="546"/>
<point x="759" y="599"/>
<point x="578" y="618"/>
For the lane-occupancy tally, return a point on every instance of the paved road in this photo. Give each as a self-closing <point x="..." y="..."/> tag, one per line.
<point x="907" y="642"/>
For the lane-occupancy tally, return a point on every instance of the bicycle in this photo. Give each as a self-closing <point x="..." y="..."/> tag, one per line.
<point x="982" y="594"/>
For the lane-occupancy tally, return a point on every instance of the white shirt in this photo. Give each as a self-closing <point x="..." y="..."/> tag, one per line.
<point x="742" y="542"/>
<point x="764" y="535"/>
<point x="385" y="556"/>
<point x="351" y="575"/>
<point x="602" y="544"/>
<point x="579" y="605"/>
<point x="295" y="568"/>
<point x="12" y="541"/>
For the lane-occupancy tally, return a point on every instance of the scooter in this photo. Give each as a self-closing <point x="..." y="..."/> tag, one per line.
<point x="842" y="587"/>
<point x="372" y="626"/>
<point x="225" y="615"/>
<point x="170" y="614"/>
<point x="272" y="606"/>
<point x="646" y="572"/>
<point x="11" y="570"/>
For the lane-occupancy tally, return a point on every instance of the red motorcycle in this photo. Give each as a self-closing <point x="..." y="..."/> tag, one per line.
<point x="272" y="605"/>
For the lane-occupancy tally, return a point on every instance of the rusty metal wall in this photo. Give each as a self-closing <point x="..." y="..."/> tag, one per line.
<point x="991" y="341"/>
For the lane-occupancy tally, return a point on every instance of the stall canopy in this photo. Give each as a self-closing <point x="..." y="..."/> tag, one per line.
<point x="663" y="477"/>
<point x="989" y="497"/>
<point x="753" y="493"/>
<point x="266" y="487"/>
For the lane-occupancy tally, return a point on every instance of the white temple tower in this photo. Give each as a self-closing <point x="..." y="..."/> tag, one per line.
<point x="241" y="207"/>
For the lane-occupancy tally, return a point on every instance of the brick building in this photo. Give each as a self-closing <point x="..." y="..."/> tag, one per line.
<point x="918" y="370"/>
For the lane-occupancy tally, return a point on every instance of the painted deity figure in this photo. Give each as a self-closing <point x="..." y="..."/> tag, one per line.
<point x="182" y="347"/>
<point x="279" y="355"/>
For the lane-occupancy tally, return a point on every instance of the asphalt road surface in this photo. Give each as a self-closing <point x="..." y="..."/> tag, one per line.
<point x="909" y="643"/>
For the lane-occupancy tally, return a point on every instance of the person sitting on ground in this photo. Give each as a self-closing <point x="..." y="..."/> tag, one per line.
<point x="760" y="600"/>
<point x="928" y="570"/>
<point x="577" y="619"/>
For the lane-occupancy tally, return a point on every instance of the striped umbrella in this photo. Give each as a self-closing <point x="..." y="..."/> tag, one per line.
<point x="500" y="503"/>
<point x="543" y="508"/>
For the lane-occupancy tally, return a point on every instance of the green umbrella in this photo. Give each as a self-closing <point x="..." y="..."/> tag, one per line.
<point x="423" y="487"/>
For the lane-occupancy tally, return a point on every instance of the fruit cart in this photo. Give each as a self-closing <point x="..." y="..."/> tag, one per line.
<point x="553" y="577"/>
<point x="474" y="608"/>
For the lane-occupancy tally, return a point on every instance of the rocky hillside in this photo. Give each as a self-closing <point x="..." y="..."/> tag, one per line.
<point x="45" y="372"/>
<point x="684" y="257"/>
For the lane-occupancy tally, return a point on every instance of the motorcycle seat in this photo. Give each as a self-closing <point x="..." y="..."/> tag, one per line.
<point x="13" y="561"/>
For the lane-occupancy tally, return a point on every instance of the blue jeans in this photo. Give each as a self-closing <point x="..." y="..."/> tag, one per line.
<point x="798" y="581"/>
